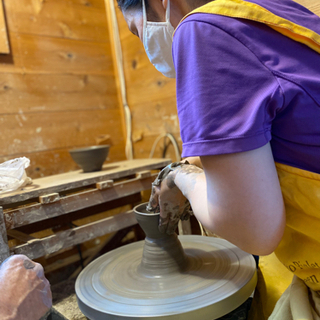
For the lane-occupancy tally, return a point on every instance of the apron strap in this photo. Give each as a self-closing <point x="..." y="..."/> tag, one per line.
<point x="251" y="11"/>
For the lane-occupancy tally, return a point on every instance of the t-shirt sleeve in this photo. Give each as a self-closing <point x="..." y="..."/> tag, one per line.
<point x="223" y="91"/>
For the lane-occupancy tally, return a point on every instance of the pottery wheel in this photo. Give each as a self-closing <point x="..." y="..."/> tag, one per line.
<point x="218" y="279"/>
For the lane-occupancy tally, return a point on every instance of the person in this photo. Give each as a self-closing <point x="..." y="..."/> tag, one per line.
<point x="25" y="292"/>
<point x="248" y="100"/>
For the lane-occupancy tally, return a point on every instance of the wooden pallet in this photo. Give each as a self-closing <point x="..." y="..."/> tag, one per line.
<point x="64" y="194"/>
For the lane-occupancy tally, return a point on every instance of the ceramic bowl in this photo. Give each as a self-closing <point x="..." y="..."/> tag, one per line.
<point x="90" y="158"/>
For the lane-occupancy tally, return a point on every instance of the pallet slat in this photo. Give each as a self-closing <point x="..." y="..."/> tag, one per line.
<point x="64" y="239"/>
<point x="38" y="212"/>
<point x="4" y="249"/>
<point x="19" y="235"/>
<point x="49" y="198"/>
<point x="76" y="179"/>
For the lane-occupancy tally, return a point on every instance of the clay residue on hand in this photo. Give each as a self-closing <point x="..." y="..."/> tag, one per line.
<point x="28" y="264"/>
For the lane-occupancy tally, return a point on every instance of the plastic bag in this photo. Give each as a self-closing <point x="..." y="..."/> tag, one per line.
<point x="13" y="174"/>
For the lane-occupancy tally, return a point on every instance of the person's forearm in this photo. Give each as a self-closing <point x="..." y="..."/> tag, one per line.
<point x="229" y="221"/>
<point x="193" y="186"/>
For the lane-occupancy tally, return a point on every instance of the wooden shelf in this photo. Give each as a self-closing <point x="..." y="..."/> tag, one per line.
<point x="64" y="194"/>
<point x="78" y="179"/>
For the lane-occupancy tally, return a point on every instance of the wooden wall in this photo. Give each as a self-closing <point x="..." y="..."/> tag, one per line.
<point x="57" y="87"/>
<point x="151" y="97"/>
<point x="312" y="5"/>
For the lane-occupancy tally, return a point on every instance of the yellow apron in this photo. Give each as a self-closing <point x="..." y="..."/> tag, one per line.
<point x="299" y="249"/>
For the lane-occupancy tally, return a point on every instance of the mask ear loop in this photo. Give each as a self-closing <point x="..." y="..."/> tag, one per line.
<point x="167" y="12"/>
<point x="169" y="25"/>
<point x="144" y="12"/>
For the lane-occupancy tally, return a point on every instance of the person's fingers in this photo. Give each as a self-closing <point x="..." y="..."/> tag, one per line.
<point x="165" y="215"/>
<point x="39" y="270"/>
<point x="154" y="198"/>
<point x="28" y="264"/>
<point x="46" y="293"/>
<point x="15" y="261"/>
<point x="186" y="211"/>
<point x="185" y="216"/>
<point x="163" y="225"/>
<point x="173" y="218"/>
<point x="172" y="225"/>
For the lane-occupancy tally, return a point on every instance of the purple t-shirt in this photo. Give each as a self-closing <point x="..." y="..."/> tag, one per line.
<point x="241" y="84"/>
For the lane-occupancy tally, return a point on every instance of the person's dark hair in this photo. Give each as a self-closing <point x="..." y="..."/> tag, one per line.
<point x="134" y="4"/>
<point x="129" y="4"/>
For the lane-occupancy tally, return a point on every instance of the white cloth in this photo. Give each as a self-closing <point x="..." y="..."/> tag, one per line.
<point x="298" y="302"/>
<point x="13" y="174"/>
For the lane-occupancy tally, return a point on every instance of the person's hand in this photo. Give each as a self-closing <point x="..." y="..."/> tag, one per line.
<point x="167" y="199"/>
<point x="24" y="291"/>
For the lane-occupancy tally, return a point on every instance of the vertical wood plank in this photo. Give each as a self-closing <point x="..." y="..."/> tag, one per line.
<point x="11" y="62"/>
<point x="114" y="44"/>
<point x="4" y="248"/>
<point x="4" y="44"/>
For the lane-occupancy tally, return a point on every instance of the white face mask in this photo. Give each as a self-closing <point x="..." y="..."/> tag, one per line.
<point x="157" y="42"/>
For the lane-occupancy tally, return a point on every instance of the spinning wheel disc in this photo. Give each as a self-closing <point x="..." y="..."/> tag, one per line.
<point x="219" y="277"/>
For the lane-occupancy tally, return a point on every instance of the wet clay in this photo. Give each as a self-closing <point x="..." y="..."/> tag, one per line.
<point x="166" y="277"/>
<point x="162" y="253"/>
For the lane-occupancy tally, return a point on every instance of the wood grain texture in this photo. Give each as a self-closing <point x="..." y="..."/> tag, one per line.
<point x="4" y="43"/>
<point x="71" y="259"/>
<point x="4" y="248"/>
<point x="58" y="55"/>
<point x="143" y="146"/>
<point x="41" y="93"/>
<point x="36" y="132"/>
<point x="64" y="239"/>
<point x="312" y="5"/>
<point x="98" y="4"/>
<point x="11" y="62"/>
<point x="57" y="86"/>
<point x="18" y="235"/>
<point x="77" y="179"/>
<point x="72" y="203"/>
<point x="58" y="18"/>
